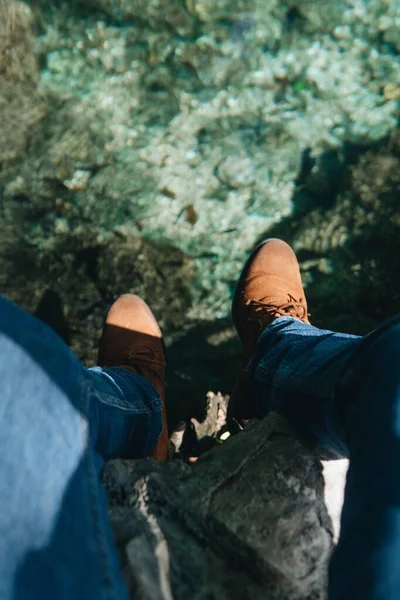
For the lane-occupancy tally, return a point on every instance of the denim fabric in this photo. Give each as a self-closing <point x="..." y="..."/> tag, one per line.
<point x="344" y="391"/>
<point x="124" y="414"/>
<point x="58" y="423"/>
<point x="298" y="365"/>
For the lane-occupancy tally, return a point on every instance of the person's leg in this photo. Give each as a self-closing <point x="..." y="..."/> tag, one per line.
<point x="296" y="369"/>
<point x="132" y="341"/>
<point x="340" y="390"/>
<point x="366" y="563"/>
<point x="58" y="422"/>
<point x="344" y="392"/>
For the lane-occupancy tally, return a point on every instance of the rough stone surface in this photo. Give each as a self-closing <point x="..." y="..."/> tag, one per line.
<point x="247" y="520"/>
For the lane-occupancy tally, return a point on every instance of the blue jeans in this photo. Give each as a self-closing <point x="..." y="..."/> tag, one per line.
<point x="343" y="391"/>
<point x="59" y="422"/>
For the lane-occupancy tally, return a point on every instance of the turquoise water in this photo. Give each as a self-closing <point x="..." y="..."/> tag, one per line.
<point x="150" y="145"/>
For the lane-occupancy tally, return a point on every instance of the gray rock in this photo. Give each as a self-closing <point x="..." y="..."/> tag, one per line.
<point x="248" y="520"/>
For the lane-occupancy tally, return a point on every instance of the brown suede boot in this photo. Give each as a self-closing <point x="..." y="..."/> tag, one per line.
<point x="132" y="340"/>
<point x="269" y="287"/>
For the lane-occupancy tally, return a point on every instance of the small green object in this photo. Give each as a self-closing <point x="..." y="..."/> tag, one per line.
<point x="299" y="86"/>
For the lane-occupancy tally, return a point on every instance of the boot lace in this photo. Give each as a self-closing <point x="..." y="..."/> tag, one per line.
<point x="142" y="359"/>
<point x="292" y="308"/>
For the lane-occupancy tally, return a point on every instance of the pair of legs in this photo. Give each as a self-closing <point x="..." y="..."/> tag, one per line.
<point x="59" y="422"/>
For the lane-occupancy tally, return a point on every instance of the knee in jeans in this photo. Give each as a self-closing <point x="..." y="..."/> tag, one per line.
<point x="377" y="361"/>
<point x="385" y="349"/>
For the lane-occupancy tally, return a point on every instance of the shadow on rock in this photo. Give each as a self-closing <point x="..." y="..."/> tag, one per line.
<point x="204" y="358"/>
<point x="50" y="310"/>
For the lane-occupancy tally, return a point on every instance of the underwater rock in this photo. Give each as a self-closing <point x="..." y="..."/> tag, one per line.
<point x="197" y="142"/>
<point x="207" y="11"/>
<point x="203" y="105"/>
<point x="21" y="105"/>
<point x="156" y="13"/>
